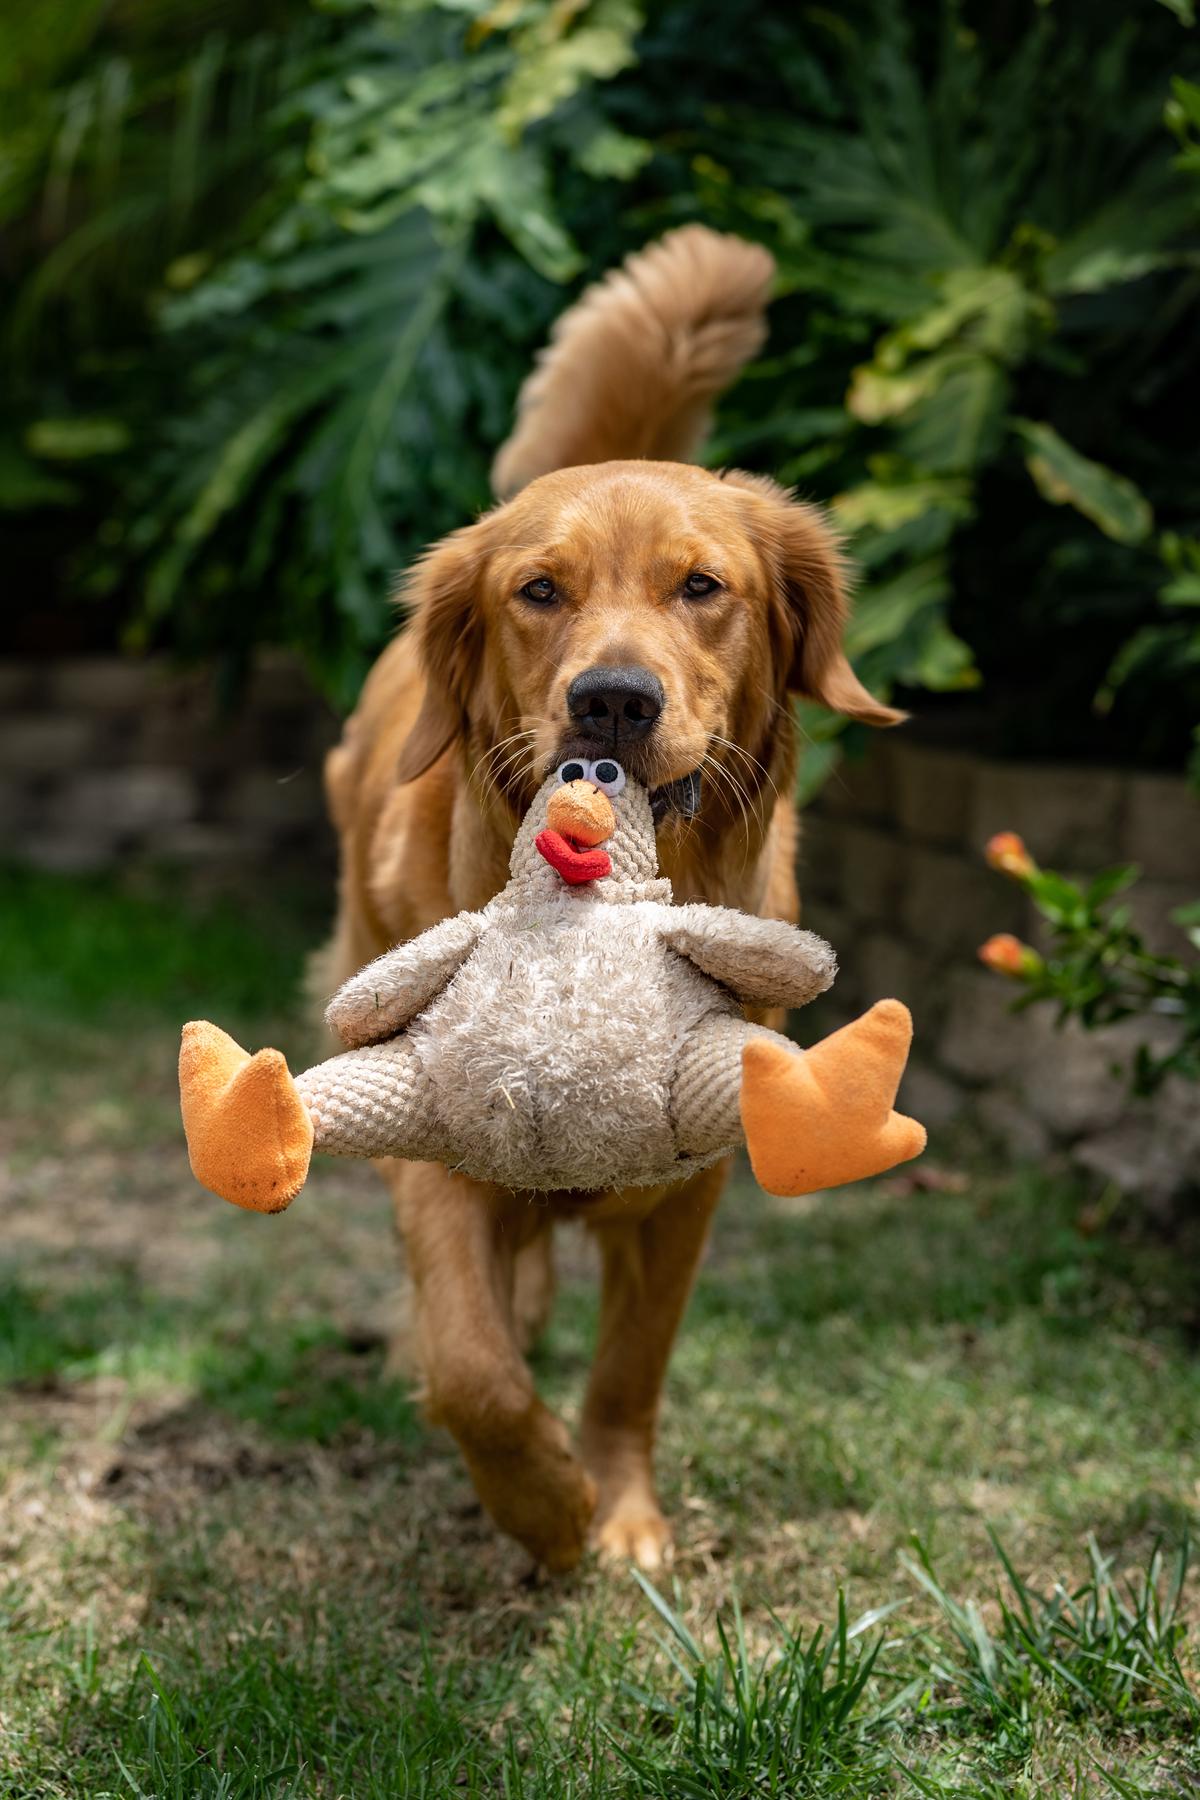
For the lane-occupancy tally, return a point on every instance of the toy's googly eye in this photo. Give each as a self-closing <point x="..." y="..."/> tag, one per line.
<point x="608" y="776"/>
<point x="573" y="771"/>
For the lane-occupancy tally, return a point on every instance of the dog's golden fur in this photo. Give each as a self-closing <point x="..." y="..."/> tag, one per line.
<point x="458" y="723"/>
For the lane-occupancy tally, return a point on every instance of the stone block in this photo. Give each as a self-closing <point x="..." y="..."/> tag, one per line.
<point x="830" y="921"/>
<point x="872" y="873"/>
<point x="117" y="742"/>
<point x="278" y="679"/>
<point x="98" y="684"/>
<point x="1176" y="1105"/>
<point x="191" y="737"/>
<point x="1068" y="817"/>
<point x="982" y="1039"/>
<point x="1153" y="1152"/>
<point x="283" y="735"/>
<point x="929" y="1096"/>
<point x="44" y="743"/>
<point x="840" y="930"/>
<point x="280" y="801"/>
<point x="934" y="792"/>
<point x="1162" y="828"/>
<point x="67" y="850"/>
<point x="889" y="968"/>
<point x="17" y="806"/>
<point x="952" y="903"/>
<point x="204" y="842"/>
<point x="22" y="685"/>
<point x="861" y="787"/>
<point x="1074" y="1080"/>
<point x="1019" y="1132"/>
<point x="819" y="860"/>
<point x="121" y="800"/>
<point x="1134" y="1156"/>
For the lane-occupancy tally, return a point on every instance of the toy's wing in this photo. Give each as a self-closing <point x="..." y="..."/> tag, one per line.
<point x="381" y="999"/>
<point x="764" y="962"/>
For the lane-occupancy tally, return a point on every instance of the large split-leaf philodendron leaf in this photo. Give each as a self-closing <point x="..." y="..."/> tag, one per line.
<point x="561" y="50"/>
<point x="1065" y="477"/>
<point x="885" y="506"/>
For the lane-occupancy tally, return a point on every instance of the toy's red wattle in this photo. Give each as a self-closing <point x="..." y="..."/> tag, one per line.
<point x="575" y="866"/>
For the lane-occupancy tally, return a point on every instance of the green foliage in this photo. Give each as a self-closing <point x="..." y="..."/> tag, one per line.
<point x="90" y="950"/>
<point x="297" y="1381"/>
<point x="1065" y="478"/>
<point x="801" y="1716"/>
<point x="348" y="356"/>
<point x="297" y="277"/>
<point x="1166" y="653"/>
<point x="989" y="236"/>
<point x="1105" y="1652"/>
<point x="813" y="1715"/>
<point x="1100" y="971"/>
<point x="825" y="1714"/>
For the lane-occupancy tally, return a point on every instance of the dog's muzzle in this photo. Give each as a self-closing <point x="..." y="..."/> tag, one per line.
<point x="680" y="797"/>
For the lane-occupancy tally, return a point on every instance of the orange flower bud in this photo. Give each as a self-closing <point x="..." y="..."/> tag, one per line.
<point x="1006" y="852"/>
<point x="1007" y="955"/>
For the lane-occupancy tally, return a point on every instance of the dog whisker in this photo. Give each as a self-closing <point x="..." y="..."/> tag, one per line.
<point x="494" y="751"/>
<point x="732" y="795"/>
<point x="510" y="763"/>
<point x="737" y="787"/>
<point x="765" y="787"/>
<point x="740" y="751"/>
<point x="494" y="768"/>
<point x="723" y="782"/>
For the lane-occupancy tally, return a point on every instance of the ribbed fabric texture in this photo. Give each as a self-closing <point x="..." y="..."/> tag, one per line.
<point x="572" y="1042"/>
<point x="371" y="1102"/>
<point x="705" y="1096"/>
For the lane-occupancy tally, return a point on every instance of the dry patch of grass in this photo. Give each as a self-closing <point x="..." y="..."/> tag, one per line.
<point x="237" y="1564"/>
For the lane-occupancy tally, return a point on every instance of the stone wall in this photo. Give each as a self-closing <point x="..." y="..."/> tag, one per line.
<point x="103" y="759"/>
<point x="107" y="758"/>
<point x="892" y="872"/>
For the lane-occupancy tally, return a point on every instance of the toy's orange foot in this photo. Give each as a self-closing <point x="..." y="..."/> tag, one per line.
<point x="249" y="1135"/>
<point x="819" y="1118"/>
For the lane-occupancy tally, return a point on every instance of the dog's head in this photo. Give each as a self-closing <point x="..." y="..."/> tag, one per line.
<point x="655" y="612"/>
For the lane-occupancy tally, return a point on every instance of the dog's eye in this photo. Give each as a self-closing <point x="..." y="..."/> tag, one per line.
<point x="609" y="777"/>
<point x="698" y="585"/>
<point x="541" y="591"/>
<point x="573" y="771"/>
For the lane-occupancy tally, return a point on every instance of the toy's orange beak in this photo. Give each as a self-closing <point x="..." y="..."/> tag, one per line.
<point x="578" y="818"/>
<point x="581" y="813"/>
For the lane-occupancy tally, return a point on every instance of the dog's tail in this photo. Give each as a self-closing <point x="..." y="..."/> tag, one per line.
<point x="632" y="369"/>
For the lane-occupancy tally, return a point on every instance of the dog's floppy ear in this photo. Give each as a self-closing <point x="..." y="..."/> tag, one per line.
<point x="441" y="593"/>
<point x="811" y="607"/>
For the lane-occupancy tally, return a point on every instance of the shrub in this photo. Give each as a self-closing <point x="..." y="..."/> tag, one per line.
<point x="279" y="292"/>
<point x="1098" y="968"/>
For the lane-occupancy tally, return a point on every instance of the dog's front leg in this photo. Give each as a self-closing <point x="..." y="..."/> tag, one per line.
<point x="649" y="1267"/>
<point x="462" y="1238"/>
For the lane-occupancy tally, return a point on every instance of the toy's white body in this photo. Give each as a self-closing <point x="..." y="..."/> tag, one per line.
<point x="564" y="1037"/>
<point x="588" y="1016"/>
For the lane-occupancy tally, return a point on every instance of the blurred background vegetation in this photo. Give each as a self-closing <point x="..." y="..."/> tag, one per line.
<point x="273" y="273"/>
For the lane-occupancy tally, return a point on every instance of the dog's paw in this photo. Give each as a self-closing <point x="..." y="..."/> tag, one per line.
<point x="559" y="1541"/>
<point x="637" y="1534"/>
<point x="537" y="1490"/>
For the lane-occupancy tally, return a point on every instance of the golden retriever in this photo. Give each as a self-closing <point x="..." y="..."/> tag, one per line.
<point x="617" y="597"/>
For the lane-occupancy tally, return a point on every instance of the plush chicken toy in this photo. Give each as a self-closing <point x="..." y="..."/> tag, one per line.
<point x="580" y="1032"/>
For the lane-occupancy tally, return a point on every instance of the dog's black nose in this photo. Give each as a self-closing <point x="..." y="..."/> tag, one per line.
<point x="615" y="706"/>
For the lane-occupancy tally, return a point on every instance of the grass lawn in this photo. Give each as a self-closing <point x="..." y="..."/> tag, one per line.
<point x="932" y="1458"/>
